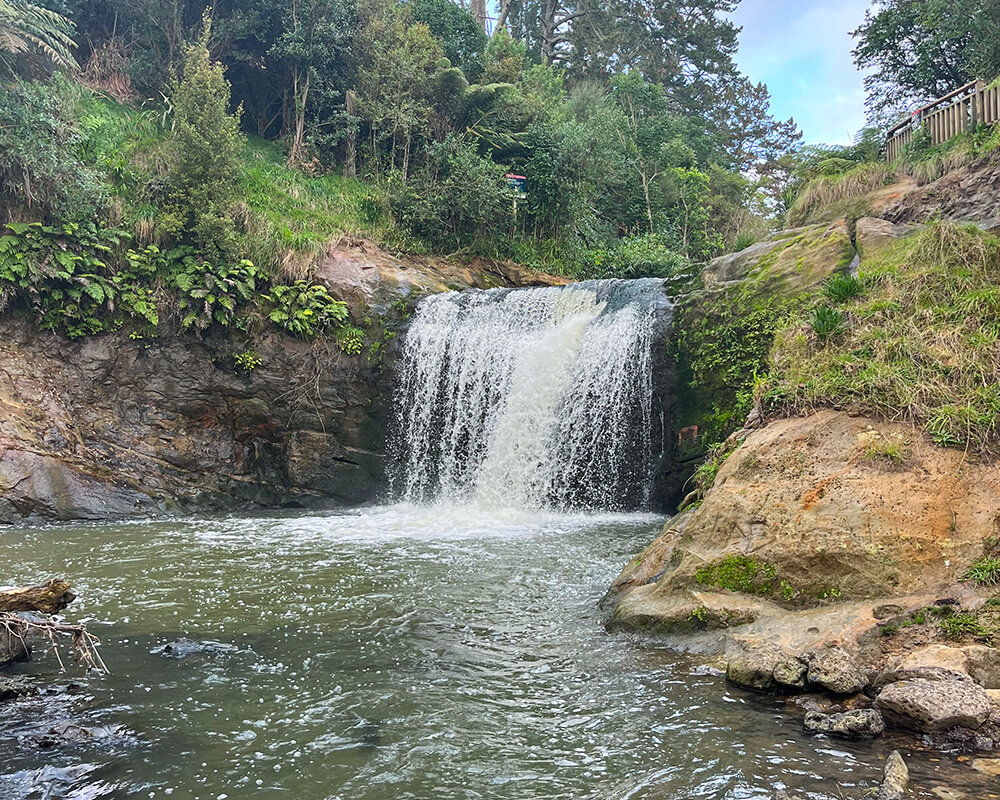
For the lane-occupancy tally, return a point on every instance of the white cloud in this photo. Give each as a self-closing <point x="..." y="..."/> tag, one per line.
<point x="802" y="51"/>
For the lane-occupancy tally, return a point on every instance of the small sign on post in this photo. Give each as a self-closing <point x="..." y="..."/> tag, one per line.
<point x="519" y="186"/>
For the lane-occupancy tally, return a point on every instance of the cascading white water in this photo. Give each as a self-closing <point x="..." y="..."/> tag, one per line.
<point x="531" y="398"/>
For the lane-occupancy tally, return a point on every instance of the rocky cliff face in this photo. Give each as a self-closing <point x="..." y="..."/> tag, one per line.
<point x="109" y="427"/>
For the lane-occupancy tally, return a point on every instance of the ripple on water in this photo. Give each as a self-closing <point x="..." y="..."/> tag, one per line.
<point x="399" y="652"/>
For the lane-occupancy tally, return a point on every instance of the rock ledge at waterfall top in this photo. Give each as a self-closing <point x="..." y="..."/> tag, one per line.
<point x="840" y="556"/>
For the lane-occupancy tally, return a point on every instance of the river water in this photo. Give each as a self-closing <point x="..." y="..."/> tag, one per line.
<point x="398" y="652"/>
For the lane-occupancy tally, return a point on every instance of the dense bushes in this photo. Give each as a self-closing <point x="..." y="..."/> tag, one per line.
<point x="41" y="170"/>
<point x="456" y="197"/>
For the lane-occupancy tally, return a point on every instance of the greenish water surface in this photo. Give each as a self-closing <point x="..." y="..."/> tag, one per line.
<point x="395" y="652"/>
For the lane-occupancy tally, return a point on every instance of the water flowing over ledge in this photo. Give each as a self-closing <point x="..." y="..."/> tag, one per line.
<point x="533" y="398"/>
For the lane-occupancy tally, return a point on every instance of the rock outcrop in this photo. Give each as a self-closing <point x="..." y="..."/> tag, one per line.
<point x="798" y="500"/>
<point x="806" y="558"/>
<point x="965" y="194"/>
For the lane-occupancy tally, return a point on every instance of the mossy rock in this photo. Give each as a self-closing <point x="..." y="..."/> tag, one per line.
<point x="789" y="262"/>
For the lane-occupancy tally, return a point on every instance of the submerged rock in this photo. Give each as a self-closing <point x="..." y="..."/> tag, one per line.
<point x="184" y="648"/>
<point x="69" y="732"/>
<point x="934" y="705"/>
<point x="13" y="687"/>
<point x="856" y="724"/>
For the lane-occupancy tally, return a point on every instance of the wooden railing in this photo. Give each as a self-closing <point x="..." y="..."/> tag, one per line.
<point x="965" y="108"/>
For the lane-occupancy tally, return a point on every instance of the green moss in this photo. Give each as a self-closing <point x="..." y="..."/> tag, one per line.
<point x="737" y="573"/>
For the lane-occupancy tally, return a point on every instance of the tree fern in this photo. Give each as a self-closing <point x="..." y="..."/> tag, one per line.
<point x="32" y="31"/>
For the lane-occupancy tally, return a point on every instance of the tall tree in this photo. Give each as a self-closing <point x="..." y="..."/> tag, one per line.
<point x="398" y="60"/>
<point x="313" y="50"/>
<point x="916" y="50"/>
<point x="745" y="127"/>
<point x="207" y="144"/>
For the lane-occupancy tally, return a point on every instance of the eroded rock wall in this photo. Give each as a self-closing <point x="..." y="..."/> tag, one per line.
<point x="109" y="426"/>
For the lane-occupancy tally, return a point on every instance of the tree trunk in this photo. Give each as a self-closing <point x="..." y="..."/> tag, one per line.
<point x="504" y="13"/>
<point x="550" y="11"/>
<point x="478" y="9"/>
<point x="50" y="598"/>
<point x="297" y="152"/>
<point x="351" y="146"/>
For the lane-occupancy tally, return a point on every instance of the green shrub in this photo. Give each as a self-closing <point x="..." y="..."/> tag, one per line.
<point x="841" y="287"/>
<point x="646" y="256"/>
<point x="827" y="322"/>
<point x="62" y="276"/>
<point x="248" y="360"/>
<point x="351" y="340"/>
<point x="40" y="143"/>
<point x="303" y="309"/>
<point x="456" y="197"/>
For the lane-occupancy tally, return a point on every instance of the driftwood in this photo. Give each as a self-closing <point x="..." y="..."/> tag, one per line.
<point x="50" y="598"/>
<point x="16" y="626"/>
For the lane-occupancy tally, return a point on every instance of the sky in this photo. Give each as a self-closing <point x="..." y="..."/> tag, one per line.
<point x="802" y="50"/>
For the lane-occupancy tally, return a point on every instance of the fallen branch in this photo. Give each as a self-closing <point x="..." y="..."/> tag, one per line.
<point x="84" y="645"/>
<point x="50" y="598"/>
<point x="16" y="624"/>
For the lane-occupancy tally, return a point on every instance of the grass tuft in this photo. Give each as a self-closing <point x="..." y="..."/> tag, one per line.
<point x="984" y="572"/>
<point x="827" y="322"/>
<point x="879" y="447"/>
<point x="840" y="288"/>
<point x="825" y="190"/>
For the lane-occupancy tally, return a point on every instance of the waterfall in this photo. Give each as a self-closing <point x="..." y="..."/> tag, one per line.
<point x="532" y="398"/>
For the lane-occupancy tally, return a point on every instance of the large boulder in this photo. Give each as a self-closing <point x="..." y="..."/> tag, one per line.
<point x="787" y="262"/>
<point x="833" y="534"/>
<point x="763" y="666"/>
<point x="874" y="235"/>
<point x="891" y="676"/>
<point x="931" y="706"/>
<point x="983" y="664"/>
